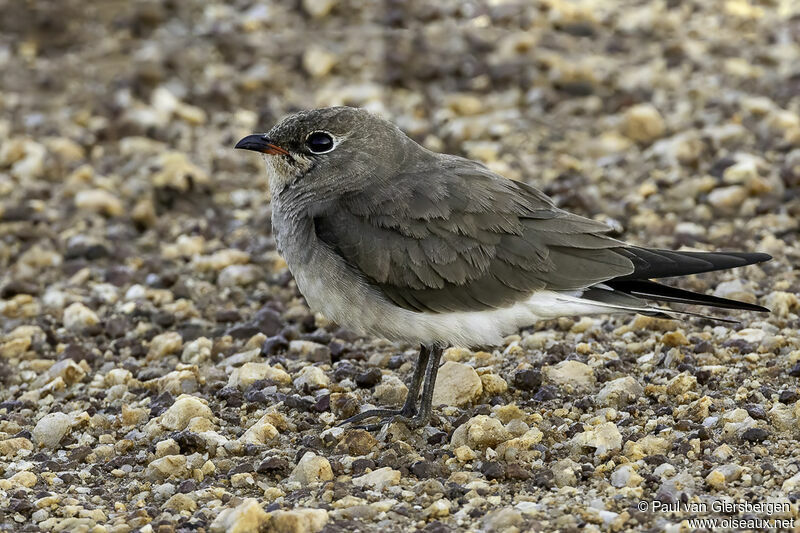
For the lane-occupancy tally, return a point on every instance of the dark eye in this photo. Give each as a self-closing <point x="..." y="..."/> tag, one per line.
<point x="319" y="142"/>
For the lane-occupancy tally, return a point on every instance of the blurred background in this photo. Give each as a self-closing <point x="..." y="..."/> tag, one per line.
<point x="600" y="103"/>
<point x="676" y="121"/>
<point x="129" y="225"/>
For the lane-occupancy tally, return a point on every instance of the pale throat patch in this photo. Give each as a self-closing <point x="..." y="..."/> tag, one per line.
<point x="280" y="172"/>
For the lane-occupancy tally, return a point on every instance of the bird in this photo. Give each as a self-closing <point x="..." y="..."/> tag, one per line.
<point x="389" y="239"/>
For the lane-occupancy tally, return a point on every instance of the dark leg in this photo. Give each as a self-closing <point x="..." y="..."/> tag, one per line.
<point x="410" y="405"/>
<point x="425" y="408"/>
<point x="427" y="365"/>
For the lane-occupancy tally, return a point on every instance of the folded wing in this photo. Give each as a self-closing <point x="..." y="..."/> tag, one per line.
<point x="472" y="240"/>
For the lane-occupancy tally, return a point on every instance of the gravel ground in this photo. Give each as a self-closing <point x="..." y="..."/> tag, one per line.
<point x="159" y="370"/>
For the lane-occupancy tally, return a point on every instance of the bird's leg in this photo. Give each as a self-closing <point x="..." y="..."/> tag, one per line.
<point x="410" y="405"/>
<point x="425" y="408"/>
<point x="409" y="409"/>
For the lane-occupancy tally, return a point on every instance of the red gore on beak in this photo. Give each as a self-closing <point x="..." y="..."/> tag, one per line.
<point x="260" y="143"/>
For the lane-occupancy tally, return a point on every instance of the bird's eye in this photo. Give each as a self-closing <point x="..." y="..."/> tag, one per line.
<point x="319" y="142"/>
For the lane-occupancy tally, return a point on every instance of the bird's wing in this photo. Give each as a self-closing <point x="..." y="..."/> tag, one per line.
<point x="467" y="240"/>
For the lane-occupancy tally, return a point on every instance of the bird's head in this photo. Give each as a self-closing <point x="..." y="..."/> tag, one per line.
<point x="330" y="150"/>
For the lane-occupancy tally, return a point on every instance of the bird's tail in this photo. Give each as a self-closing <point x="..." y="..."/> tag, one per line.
<point x="651" y="263"/>
<point x="633" y="291"/>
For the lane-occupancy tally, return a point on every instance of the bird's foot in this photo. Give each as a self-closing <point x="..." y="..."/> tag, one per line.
<point x="410" y="418"/>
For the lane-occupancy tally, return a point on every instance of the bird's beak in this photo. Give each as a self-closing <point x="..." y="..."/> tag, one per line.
<point x="259" y="142"/>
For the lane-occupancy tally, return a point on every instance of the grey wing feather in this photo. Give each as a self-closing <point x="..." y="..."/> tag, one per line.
<point x="469" y="240"/>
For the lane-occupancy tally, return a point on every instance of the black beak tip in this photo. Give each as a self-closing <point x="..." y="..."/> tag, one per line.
<point x="255" y="142"/>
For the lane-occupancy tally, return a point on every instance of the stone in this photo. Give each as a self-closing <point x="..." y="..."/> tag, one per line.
<point x="788" y="123"/>
<point x="180" y="502"/>
<point x="716" y="479"/>
<point x="251" y="355"/>
<point x="528" y="379"/>
<point x="736" y="289"/>
<point x="318" y="61"/>
<point x="247" y="517"/>
<point x="750" y="335"/>
<point x="10" y="447"/>
<point x="727" y="197"/>
<point x="51" y="428"/>
<point x="370" y="378"/>
<point x="169" y="466"/>
<point x="65" y="149"/>
<point x="357" y="442"/>
<point x="117" y="376"/>
<point x="605" y="438"/>
<point x="782" y="303"/>
<point x="184" y="246"/>
<point x="378" y="479"/>
<point x="165" y="344"/>
<point x="743" y="171"/>
<point x="24" y="479"/>
<point x="564" y="472"/>
<point x="178" y="173"/>
<point x="25" y="156"/>
<point x="723" y="452"/>
<point x="197" y="351"/>
<point x="516" y="426"/>
<point x="248" y="373"/>
<point x="675" y="338"/>
<point x="571" y="375"/>
<point x="464" y="104"/>
<point x="99" y="201"/>
<point x="643" y="123"/>
<point x="390" y="391"/>
<point x="511" y="450"/>
<point x="681" y="384"/>
<point x="620" y="392"/>
<point x="438" y="509"/>
<point x="238" y="275"/>
<point x="242" y="479"/>
<point x="782" y="417"/>
<point x="297" y="521"/>
<point x="66" y="369"/>
<point x="310" y="351"/>
<point x="493" y="384"/>
<point x="311" y="377"/>
<point x="312" y="469"/>
<point x="626" y="476"/>
<point x="501" y="520"/>
<point x="318" y="8"/>
<point x="457" y="354"/>
<point x="78" y="317"/>
<point x="261" y="432"/>
<point x="721" y="475"/>
<point x="465" y="454"/>
<point x="791" y="485"/>
<point x="219" y="260"/>
<point x="185" y="408"/>
<point x="167" y="447"/>
<point x="15" y="347"/>
<point x="480" y="432"/>
<point x="457" y="384"/>
<point x="755" y="434"/>
<point x="653" y="445"/>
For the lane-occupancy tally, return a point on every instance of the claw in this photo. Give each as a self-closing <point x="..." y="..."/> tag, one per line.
<point x="387" y="416"/>
<point x="410" y="414"/>
<point x="379" y="413"/>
